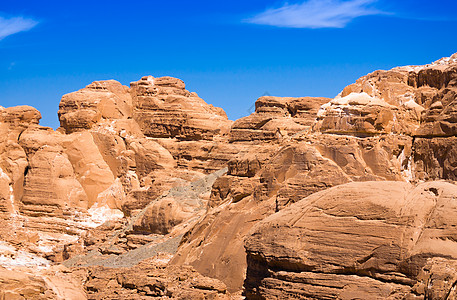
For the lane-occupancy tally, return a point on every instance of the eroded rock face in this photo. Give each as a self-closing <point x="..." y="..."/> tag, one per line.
<point x="39" y="284"/>
<point x="164" y="108"/>
<point x="362" y="115"/>
<point x="99" y="184"/>
<point x="149" y="281"/>
<point x="99" y="100"/>
<point x="258" y="184"/>
<point x="435" y="158"/>
<point x="19" y="116"/>
<point x="276" y="117"/>
<point x="437" y="90"/>
<point x="358" y="240"/>
<point x="416" y="100"/>
<point x="140" y="182"/>
<point x="376" y="142"/>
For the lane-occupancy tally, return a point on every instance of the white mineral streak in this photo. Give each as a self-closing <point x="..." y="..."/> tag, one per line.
<point x="102" y="214"/>
<point x="353" y="99"/>
<point x="407" y="172"/>
<point x="10" y="257"/>
<point x="445" y="61"/>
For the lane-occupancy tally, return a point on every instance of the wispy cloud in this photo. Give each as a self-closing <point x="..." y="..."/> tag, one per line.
<point x="316" y="14"/>
<point x="9" y="26"/>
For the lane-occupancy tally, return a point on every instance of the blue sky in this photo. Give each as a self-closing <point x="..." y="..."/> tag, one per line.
<point x="229" y="52"/>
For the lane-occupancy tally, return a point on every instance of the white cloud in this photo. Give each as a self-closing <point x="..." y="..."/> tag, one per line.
<point x="316" y="14"/>
<point x="14" y="25"/>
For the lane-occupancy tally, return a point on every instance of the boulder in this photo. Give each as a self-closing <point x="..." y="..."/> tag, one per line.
<point x="359" y="240"/>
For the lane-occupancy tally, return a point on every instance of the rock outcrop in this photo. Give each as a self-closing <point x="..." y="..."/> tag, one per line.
<point x="100" y="100"/>
<point x="372" y="240"/>
<point x="164" y="108"/>
<point x="415" y="100"/>
<point x="276" y="117"/>
<point x="147" y="191"/>
<point x="53" y="283"/>
<point x="147" y="281"/>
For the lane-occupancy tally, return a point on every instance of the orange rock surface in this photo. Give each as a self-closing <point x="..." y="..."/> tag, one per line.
<point x="147" y="191"/>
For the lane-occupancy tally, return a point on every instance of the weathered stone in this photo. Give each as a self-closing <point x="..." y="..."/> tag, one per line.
<point x="138" y="182"/>
<point x="163" y="108"/>
<point x="149" y="281"/>
<point x="276" y="118"/>
<point x="380" y="232"/>
<point x="435" y="158"/>
<point x="99" y="100"/>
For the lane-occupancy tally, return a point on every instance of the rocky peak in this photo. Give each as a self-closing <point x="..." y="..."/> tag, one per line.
<point x="451" y="60"/>
<point x="440" y="64"/>
<point x="164" y="108"/>
<point x="168" y="81"/>
<point x="158" y="86"/>
<point x="20" y="115"/>
<point x="402" y="100"/>
<point x="276" y="118"/>
<point x="14" y="120"/>
<point x="100" y="100"/>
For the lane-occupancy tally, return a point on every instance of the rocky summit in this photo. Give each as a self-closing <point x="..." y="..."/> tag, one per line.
<point x="148" y="192"/>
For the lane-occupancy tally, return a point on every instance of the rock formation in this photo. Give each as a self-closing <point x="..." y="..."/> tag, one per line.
<point x="360" y="240"/>
<point x="164" y="108"/>
<point x="147" y="191"/>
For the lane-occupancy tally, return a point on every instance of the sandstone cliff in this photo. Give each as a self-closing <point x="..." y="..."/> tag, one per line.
<point x="147" y="191"/>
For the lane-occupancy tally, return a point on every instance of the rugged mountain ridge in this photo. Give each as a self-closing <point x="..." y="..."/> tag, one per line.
<point x="288" y="201"/>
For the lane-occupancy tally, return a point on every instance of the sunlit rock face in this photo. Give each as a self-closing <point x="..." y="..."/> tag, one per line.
<point x="366" y="240"/>
<point x="68" y="192"/>
<point x="164" y="108"/>
<point x="276" y="117"/>
<point x="99" y="100"/>
<point x="148" y="191"/>
<point x="413" y="100"/>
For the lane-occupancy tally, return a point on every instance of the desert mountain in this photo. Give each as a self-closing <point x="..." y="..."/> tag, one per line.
<point x="149" y="192"/>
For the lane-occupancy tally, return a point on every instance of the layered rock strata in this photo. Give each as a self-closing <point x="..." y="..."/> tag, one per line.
<point x="376" y="240"/>
<point x="151" y="181"/>
<point x="164" y="108"/>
